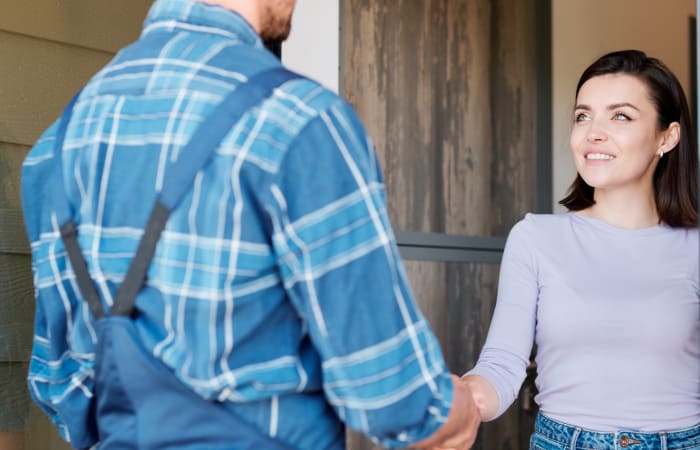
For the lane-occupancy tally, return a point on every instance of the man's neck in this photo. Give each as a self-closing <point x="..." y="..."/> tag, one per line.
<point x="249" y="10"/>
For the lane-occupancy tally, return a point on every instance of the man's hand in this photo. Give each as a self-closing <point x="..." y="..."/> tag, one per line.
<point x="459" y="432"/>
<point x="485" y="395"/>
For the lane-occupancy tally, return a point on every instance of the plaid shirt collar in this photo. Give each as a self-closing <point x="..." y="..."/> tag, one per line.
<point x="172" y="14"/>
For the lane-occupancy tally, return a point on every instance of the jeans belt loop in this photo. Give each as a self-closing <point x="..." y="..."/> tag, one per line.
<point x="574" y="438"/>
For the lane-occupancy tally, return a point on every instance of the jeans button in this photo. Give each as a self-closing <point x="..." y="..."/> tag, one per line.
<point x="624" y="441"/>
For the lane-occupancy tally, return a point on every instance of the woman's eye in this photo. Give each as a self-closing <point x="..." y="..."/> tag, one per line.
<point x="580" y="117"/>
<point x="620" y="116"/>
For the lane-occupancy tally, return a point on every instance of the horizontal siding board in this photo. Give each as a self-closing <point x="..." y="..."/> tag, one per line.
<point x="37" y="78"/>
<point x="16" y="307"/>
<point x="48" y="50"/>
<point x="13" y="238"/>
<point x="14" y="399"/>
<point x="98" y="24"/>
<point x="11" y="157"/>
<point x="12" y="235"/>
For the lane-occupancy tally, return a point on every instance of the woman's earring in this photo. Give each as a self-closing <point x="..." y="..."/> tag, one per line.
<point x="661" y="154"/>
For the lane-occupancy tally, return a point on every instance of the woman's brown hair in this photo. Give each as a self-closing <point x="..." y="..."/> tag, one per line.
<point x="676" y="174"/>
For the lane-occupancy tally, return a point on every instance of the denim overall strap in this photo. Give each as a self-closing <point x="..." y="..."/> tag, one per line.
<point x="138" y="403"/>
<point x="69" y="233"/>
<point x="181" y="177"/>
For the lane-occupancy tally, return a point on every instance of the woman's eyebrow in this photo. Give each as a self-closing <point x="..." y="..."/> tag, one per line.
<point x="622" y="105"/>
<point x="612" y="106"/>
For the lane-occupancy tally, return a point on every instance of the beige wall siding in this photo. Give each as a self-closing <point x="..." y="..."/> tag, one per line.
<point x="48" y="52"/>
<point x="37" y="78"/>
<point x="17" y="308"/>
<point x="97" y="24"/>
<point x="583" y="31"/>
<point x="48" y="49"/>
<point x="12" y="236"/>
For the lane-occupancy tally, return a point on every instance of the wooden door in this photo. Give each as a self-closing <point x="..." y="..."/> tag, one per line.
<point x="448" y="91"/>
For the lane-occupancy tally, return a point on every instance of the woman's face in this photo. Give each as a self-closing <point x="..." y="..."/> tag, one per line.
<point x="615" y="141"/>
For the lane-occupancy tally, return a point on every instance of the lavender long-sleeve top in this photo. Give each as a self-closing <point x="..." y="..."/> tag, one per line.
<point x="615" y="314"/>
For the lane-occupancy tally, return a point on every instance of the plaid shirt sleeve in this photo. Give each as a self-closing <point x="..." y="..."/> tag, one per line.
<point x="383" y="370"/>
<point x="60" y="377"/>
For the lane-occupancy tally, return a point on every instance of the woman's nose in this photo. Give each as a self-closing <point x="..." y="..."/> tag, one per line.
<point x="595" y="132"/>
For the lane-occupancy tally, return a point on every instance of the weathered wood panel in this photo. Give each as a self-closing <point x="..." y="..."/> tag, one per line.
<point x="471" y="297"/>
<point x="446" y="89"/>
<point x="513" y="89"/>
<point x="97" y="24"/>
<point x="16" y="307"/>
<point x="406" y="67"/>
<point x="37" y="78"/>
<point x="459" y="304"/>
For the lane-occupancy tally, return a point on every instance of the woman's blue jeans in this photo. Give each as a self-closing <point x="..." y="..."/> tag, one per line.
<point x="553" y="435"/>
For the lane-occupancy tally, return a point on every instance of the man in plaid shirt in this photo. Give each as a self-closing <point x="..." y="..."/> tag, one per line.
<point x="276" y="289"/>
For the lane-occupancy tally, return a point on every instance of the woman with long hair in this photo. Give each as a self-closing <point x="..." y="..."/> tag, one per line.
<point x="608" y="291"/>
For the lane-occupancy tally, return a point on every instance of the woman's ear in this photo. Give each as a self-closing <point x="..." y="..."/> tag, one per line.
<point x="670" y="137"/>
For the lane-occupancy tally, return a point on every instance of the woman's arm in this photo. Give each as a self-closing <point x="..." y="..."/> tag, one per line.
<point x="502" y="364"/>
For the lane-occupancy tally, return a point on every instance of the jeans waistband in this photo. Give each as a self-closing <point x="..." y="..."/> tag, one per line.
<point x="579" y="437"/>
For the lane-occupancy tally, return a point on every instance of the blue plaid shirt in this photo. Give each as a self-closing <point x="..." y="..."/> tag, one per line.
<point x="276" y="287"/>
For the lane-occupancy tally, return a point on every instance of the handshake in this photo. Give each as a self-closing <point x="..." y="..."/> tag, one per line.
<point x="474" y="401"/>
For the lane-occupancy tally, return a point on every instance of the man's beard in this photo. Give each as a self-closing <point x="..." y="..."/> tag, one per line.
<point x="275" y="29"/>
